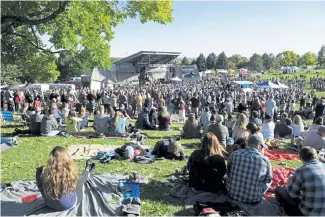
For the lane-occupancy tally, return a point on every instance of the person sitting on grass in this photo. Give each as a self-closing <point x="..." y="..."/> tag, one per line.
<point x="190" y="129"/>
<point x="255" y="119"/>
<point x="84" y="118"/>
<point x="58" y="181"/>
<point x="35" y="122"/>
<point x="57" y="113"/>
<point x="240" y="143"/>
<point x="73" y="123"/>
<point x="240" y="130"/>
<point x="65" y="113"/>
<point x="143" y="122"/>
<point x="164" y="119"/>
<point x="207" y="167"/>
<point x="169" y="149"/>
<point x="118" y="125"/>
<point x="253" y="129"/>
<point x="268" y="128"/>
<point x="318" y="122"/>
<point x="315" y="139"/>
<point x="101" y="122"/>
<point x="153" y="117"/>
<point x="305" y="191"/>
<point x="249" y="172"/>
<point x="297" y="125"/>
<point x="49" y="125"/>
<point x="283" y="128"/>
<point x="219" y="130"/>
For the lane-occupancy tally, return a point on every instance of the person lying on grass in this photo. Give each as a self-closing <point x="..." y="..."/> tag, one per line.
<point x="130" y="150"/>
<point x="207" y="166"/>
<point x="305" y="192"/>
<point x="58" y="181"/>
<point x="169" y="149"/>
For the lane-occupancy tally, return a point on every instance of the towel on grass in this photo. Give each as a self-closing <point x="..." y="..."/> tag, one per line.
<point x="79" y="152"/>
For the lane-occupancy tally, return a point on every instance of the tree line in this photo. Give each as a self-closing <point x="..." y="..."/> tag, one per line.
<point x="257" y="62"/>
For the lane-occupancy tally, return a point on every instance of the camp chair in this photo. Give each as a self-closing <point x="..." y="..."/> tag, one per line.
<point x="8" y="117"/>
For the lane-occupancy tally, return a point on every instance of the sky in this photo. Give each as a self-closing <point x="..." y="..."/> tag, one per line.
<point x="233" y="27"/>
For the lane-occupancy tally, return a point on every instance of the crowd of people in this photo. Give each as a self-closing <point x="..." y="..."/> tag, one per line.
<point x="233" y="125"/>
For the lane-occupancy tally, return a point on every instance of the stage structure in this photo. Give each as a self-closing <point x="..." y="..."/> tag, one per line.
<point x="140" y="67"/>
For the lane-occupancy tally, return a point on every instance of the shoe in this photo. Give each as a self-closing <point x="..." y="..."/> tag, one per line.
<point x="92" y="168"/>
<point x="88" y="164"/>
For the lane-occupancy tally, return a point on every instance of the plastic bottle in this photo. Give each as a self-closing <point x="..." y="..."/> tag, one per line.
<point x="321" y="153"/>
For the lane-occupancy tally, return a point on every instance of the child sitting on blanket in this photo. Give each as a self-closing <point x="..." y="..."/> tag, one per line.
<point x="169" y="149"/>
<point x="58" y="181"/>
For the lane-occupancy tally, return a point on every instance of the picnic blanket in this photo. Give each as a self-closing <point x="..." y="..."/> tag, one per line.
<point x="8" y="142"/>
<point x="81" y="151"/>
<point x="100" y="199"/>
<point x="279" y="155"/>
<point x="280" y="178"/>
<point x="191" y="197"/>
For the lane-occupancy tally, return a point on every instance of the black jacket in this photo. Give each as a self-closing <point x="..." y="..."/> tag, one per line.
<point x="161" y="150"/>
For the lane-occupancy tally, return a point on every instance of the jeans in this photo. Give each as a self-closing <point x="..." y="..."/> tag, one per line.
<point x="290" y="205"/>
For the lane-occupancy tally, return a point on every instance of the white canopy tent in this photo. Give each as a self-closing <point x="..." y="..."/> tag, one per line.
<point x="176" y="79"/>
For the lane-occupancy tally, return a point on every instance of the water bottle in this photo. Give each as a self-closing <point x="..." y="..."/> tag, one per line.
<point x="321" y="154"/>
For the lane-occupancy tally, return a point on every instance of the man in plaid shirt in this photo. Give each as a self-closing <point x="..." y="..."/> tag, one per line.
<point x="249" y="172"/>
<point x="305" y="193"/>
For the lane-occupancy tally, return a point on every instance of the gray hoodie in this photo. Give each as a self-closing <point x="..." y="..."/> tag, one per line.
<point x="48" y="124"/>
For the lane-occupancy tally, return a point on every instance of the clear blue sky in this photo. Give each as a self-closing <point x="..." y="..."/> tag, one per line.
<point x="234" y="27"/>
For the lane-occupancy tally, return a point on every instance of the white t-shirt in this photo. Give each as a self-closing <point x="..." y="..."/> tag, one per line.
<point x="268" y="130"/>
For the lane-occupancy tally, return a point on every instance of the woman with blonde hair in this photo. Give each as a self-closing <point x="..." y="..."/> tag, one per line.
<point x="240" y="130"/>
<point x="207" y="166"/>
<point x="164" y="119"/>
<point x="297" y="125"/>
<point x="58" y="181"/>
<point x="118" y="125"/>
<point x="139" y="102"/>
<point x="169" y="148"/>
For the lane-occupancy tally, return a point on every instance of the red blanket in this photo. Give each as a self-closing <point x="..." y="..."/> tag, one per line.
<point x="279" y="155"/>
<point x="280" y="178"/>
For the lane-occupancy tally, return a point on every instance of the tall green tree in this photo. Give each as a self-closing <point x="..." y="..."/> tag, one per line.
<point x="244" y="63"/>
<point x="201" y="63"/>
<point x="321" y="56"/>
<point x="268" y="60"/>
<point x="211" y="61"/>
<point x="222" y="61"/>
<point x="193" y="62"/>
<point x="84" y="28"/>
<point x="185" y="61"/>
<point x="235" y="59"/>
<point x="256" y="63"/>
<point x="309" y="59"/>
<point x="288" y="58"/>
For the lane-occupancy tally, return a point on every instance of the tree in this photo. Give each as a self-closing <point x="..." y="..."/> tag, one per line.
<point x="235" y="60"/>
<point x="193" y="62"/>
<point x="201" y="63"/>
<point x="268" y="60"/>
<point x="80" y="27"/>
<point x="185" y="61"/>
<point x="72" y="67"/>
<point x="222" y="61"/>
<point x="244" y="63"/>
<point x="321" y="55"/>
<point x="288" y="58"/>
<point x="309" y="59"/>
<point x="211" y="61"/>
<point x="256" y="63"/>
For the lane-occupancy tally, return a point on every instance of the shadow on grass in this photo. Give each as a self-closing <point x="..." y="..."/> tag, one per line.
<point x="192" y="146"/>
<point x="160" y="192"/>
<point x="14" y="125"/>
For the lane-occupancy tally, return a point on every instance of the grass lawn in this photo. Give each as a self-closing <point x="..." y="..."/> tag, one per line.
<point x="19" y="164"/>
<point x="279" y="74"/>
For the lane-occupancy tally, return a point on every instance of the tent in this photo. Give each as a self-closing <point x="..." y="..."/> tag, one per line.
<point x="222" y="71"/>
<point x="281" y="85"/>
<point x="176" y="79"/>
<point x="267" y="84"/>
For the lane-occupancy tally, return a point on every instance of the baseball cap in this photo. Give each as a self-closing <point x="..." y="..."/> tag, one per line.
<point x="254" y="140"/>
